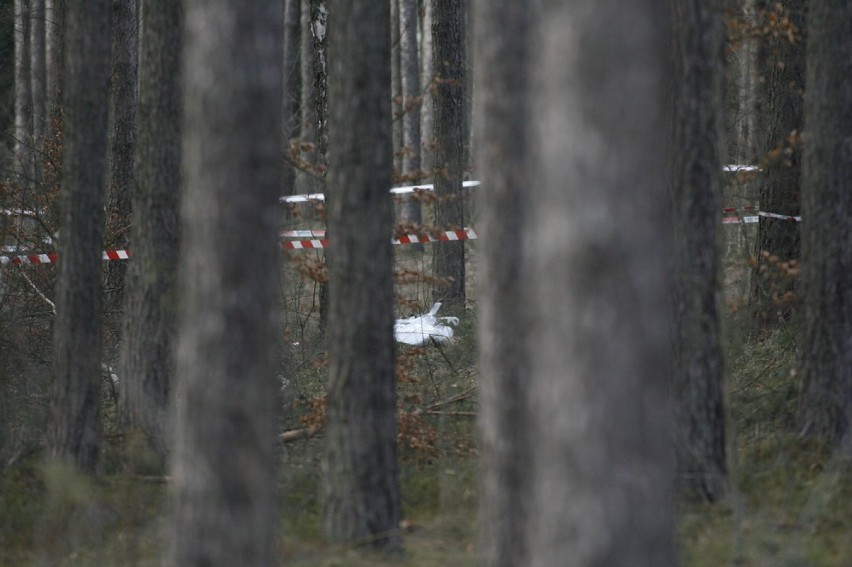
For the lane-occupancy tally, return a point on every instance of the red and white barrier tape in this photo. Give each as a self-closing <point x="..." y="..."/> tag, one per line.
<point x="316" y="243"/>
<point x="52" y="257"/>
<point x="446" y="236"/>
<point x="394" y="191"/>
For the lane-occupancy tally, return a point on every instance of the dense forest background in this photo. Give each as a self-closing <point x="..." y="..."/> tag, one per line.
<point x="425" y="282"/>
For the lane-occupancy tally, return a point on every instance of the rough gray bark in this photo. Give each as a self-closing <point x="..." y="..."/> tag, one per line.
<point x="427" y="109"/>
<point x="308" y="181"/>
<point x="596" y="286"/>
<point x="826" y="352"/>
<point x="54" y="34"/>
<point x="123" y="103"/>
<point x="290" y="96"/>
<point x="24" y="154"/>
<point x="122" y="141"/>
<point x="75" y="435"/>
<point x="38" y="69"/>
<point x="150" y="309"/>
<point x="396" y="87"/>
<point x="224" y="461"/>
<point x="410" y="82"/>
<point x="503" y="35"/>
<point x="448" y="39"/>
<point x="361" y="485"/>
<point x="784" y="76"/>
<point x="697" y="369"/>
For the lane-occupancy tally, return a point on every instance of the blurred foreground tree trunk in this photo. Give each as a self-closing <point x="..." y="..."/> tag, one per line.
<point x="38" y="70"/>
<point x="778" y="240"/>
<point x="150" y="310"/>
<point x="448" y="38"/>
<point x="595" y="285"/>
<point x="697" y="370"/>
<point x="227" y="356"/>
<point x="503" y="43"/>
<point x="362" y="486"/>
<point x="77" y="331"/>
<point x="826" y="351"/>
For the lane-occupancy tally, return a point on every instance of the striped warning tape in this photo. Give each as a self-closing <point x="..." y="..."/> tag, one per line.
<point x="309" y="244"/>
<point x="445" y="236"/>
<point x="394" y="191"/>
<point x="52" y="257"/>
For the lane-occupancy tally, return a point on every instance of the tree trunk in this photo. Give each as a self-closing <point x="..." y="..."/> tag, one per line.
<point x="39" y="80"/>
<point x="411" y="103"/>
<point x="24" y="153"/>
<point x="55" y="31"/>
<point x="290" y="98"/>
<point x="595" y="285"/>
<point x="697" y="370"/>
<point x="396" y="88"/>
<point x="77" y="338"/>
<point x="361" y="485"/>
<point x="826" y="352"/>
<point x="778" y="240"/>
<point x="150" y="311"/>
<point x="504" y="33"/>
<point x="448" y="37"/>
<point x="224" y="461"/>
<point x="122" y="142"/>
<point x="308" y="181"/>
<point x="427" y="109"/>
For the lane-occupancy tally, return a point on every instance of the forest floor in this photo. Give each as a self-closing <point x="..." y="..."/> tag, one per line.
<point x="788" y="504"/>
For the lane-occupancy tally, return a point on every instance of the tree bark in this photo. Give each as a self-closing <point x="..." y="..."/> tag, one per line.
<point x="448" y="37"/>
<point x="825" y="406"/>
<point x="39" y="80"/>
<point x="75" y="434"/>
<point x="290" y="97"/>
<point x="396" y="88"/>
<point x="24" y="154"/>
<point x="54" y="40"/>
<point x="427" y="109"/>
<point x="411" y="103"/>
<point x="361" y="486"/>
<point x="224" y="460"/>
<point x="503" y="37"/>
<point x="150" y="310"/>
<point x="596" y="287"/>
<point x="697" y="369"/>
<point x="779" y="240"/>
<point x="122" y="141"/>
<point x="308" y="181"/>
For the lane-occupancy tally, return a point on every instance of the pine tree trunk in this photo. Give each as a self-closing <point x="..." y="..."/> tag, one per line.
<point x="697" y="378"/>
<point x="427" y="109"/>
<point x="410" y="78"/>
<point x="595" y="284"/>
<point x="23" y="103"/>
<point x="39" y="80"/>
<point x="361" y="485"/>
<point x="290" y="98"/>
<point x="504" y="33"/>
<point x="779" y="240"/>
<point x="826" y="352"/>
<point x="227" y="360"/>
<point x="448" y="37"/>
<point x="122" y="143"/>
<point x="77" y="335"/>
<point x="55" y="31"/>
<point x="150" y="310"/>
